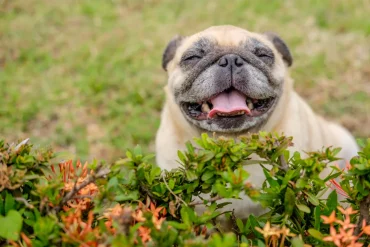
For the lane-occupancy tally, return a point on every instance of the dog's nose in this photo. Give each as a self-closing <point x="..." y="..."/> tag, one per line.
<point x="230" y="60"/>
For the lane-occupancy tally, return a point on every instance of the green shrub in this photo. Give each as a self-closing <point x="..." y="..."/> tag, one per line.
<point x="44" y="202"/>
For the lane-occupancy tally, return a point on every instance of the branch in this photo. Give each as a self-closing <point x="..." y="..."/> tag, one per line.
<point x="24" y="201"/>
<point x="90" y="179"/>
<point x="364" y="214"/>
<point x="213" y="199"/>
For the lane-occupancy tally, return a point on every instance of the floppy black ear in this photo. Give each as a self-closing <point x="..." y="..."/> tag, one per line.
<point x="281" y="47"/>
<point x="170" y="51"/>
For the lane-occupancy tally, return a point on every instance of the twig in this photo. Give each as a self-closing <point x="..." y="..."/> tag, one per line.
<point x="364" y="214"/>
<point x="169" y="189"/>
<point x="83" y="197"/>
<point x="213" y="199"/>
<point x="90" y="179"/>
<point x="24" y="201"/>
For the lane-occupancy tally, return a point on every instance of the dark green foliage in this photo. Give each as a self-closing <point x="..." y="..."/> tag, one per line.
<point x="132" y="202"/>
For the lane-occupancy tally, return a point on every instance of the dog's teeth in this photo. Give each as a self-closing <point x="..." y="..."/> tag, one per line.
<point x="205" y="107"/>
<point x="250" y="104"/>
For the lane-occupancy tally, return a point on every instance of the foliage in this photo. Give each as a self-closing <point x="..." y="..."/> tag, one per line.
<point x="133" y="203"/>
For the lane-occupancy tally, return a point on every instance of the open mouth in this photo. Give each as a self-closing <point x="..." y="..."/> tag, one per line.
<point x="228" y="104"/>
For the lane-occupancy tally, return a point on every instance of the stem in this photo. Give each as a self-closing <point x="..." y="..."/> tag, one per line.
<point x="213" y="199"/>
<point x="24" y="201"/>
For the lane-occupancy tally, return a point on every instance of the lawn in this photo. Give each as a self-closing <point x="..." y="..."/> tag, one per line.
<point x="85" y="76"/>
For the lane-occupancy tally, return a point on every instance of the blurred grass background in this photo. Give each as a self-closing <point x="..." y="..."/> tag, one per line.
<point x="85" y="76"/>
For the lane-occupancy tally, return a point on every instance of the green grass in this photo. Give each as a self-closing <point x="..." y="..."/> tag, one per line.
<point x="85" y="76"/>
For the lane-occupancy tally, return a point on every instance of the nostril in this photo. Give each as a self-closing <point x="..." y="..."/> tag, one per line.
<point x="239" y="61"/>
<point x="223" y="62"/>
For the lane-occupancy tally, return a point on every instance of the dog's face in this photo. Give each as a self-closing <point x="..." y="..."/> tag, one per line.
<point x="226" y="79"/>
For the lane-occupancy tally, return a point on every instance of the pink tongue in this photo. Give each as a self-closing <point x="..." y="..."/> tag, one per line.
<point x="229" y="103"/>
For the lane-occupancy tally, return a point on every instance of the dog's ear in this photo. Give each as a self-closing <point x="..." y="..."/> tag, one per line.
<point x="281" y="47"/>
<point x="170" y="51"/>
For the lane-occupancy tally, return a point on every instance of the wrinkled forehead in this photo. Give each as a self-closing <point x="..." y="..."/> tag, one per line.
<point x="224" y="36"/>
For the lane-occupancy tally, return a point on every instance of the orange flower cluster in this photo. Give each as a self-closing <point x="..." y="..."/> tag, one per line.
<point x="82" y="198"/>
<point x="343" y="237"/>
<point x="125" y="215"/>
<point x="275" y="236"/>
<point x="76" y="230"/>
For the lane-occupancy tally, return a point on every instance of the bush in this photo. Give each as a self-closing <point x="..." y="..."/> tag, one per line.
<point x="132" y="203"/>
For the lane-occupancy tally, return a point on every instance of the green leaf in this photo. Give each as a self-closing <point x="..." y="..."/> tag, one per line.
<point x="181" y="156"/>
<point x="315" y="233"/>
<point x="171" y="184"/>
<point x="11" y="225"/>
<point x="273" y="183"/>
<point x="289" y="201"/>
<point x="301" y="183"/>
<point x="252" y="223"/>
<point x="313" y="199"/>
<point x="297" y="242"/>
<point x="303" y="208"/>
<point x="9" y="202"/>
<point x="177" y="225"/>
<point x="260" y="243"/>
<point x="190" y="175"/>
<point x="239" y="223"/>
<point x="332" y="201"/>
<point x="207" y="175"/>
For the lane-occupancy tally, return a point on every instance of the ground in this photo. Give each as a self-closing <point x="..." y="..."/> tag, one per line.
<point x="85" y="76"/>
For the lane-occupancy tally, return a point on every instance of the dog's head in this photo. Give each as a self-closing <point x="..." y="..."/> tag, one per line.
<point x="227" y="79"/>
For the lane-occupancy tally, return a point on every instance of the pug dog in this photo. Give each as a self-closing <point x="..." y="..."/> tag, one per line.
<point x="229" y="81"/>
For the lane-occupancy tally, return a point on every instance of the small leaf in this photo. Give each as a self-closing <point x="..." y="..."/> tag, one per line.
<point x="171" y="184"/>
<point x="315" y="233"/>
<point x="303" y="208"/>
<point x="317" y="213"/>
<point x="312" y="199"/>
<point x="177" y="225"/>
<point x="239" y="223"/>
<point x="301" y="183"/>
<point x="9" y="202"/>
<point x="297" y="242"/>
<point x="207" y="175"/>
<point x="289" y="200"/>
<point x="332" y="201"/>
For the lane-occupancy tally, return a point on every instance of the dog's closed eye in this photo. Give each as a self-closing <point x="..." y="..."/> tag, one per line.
<point x="265" y="55"/>
<point x="191" y="57"/>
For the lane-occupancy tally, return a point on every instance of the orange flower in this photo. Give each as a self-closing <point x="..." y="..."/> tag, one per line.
<point x="329" y="220"/>
<point x="334" y="237"/>
<point x="138" y="216"/>
<point x="268" y="231"/>
<point x="347" y="211"/>
<point x="346" y="224"/>
<point x="144" y="234"/>
<point x="365" y="228"/>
